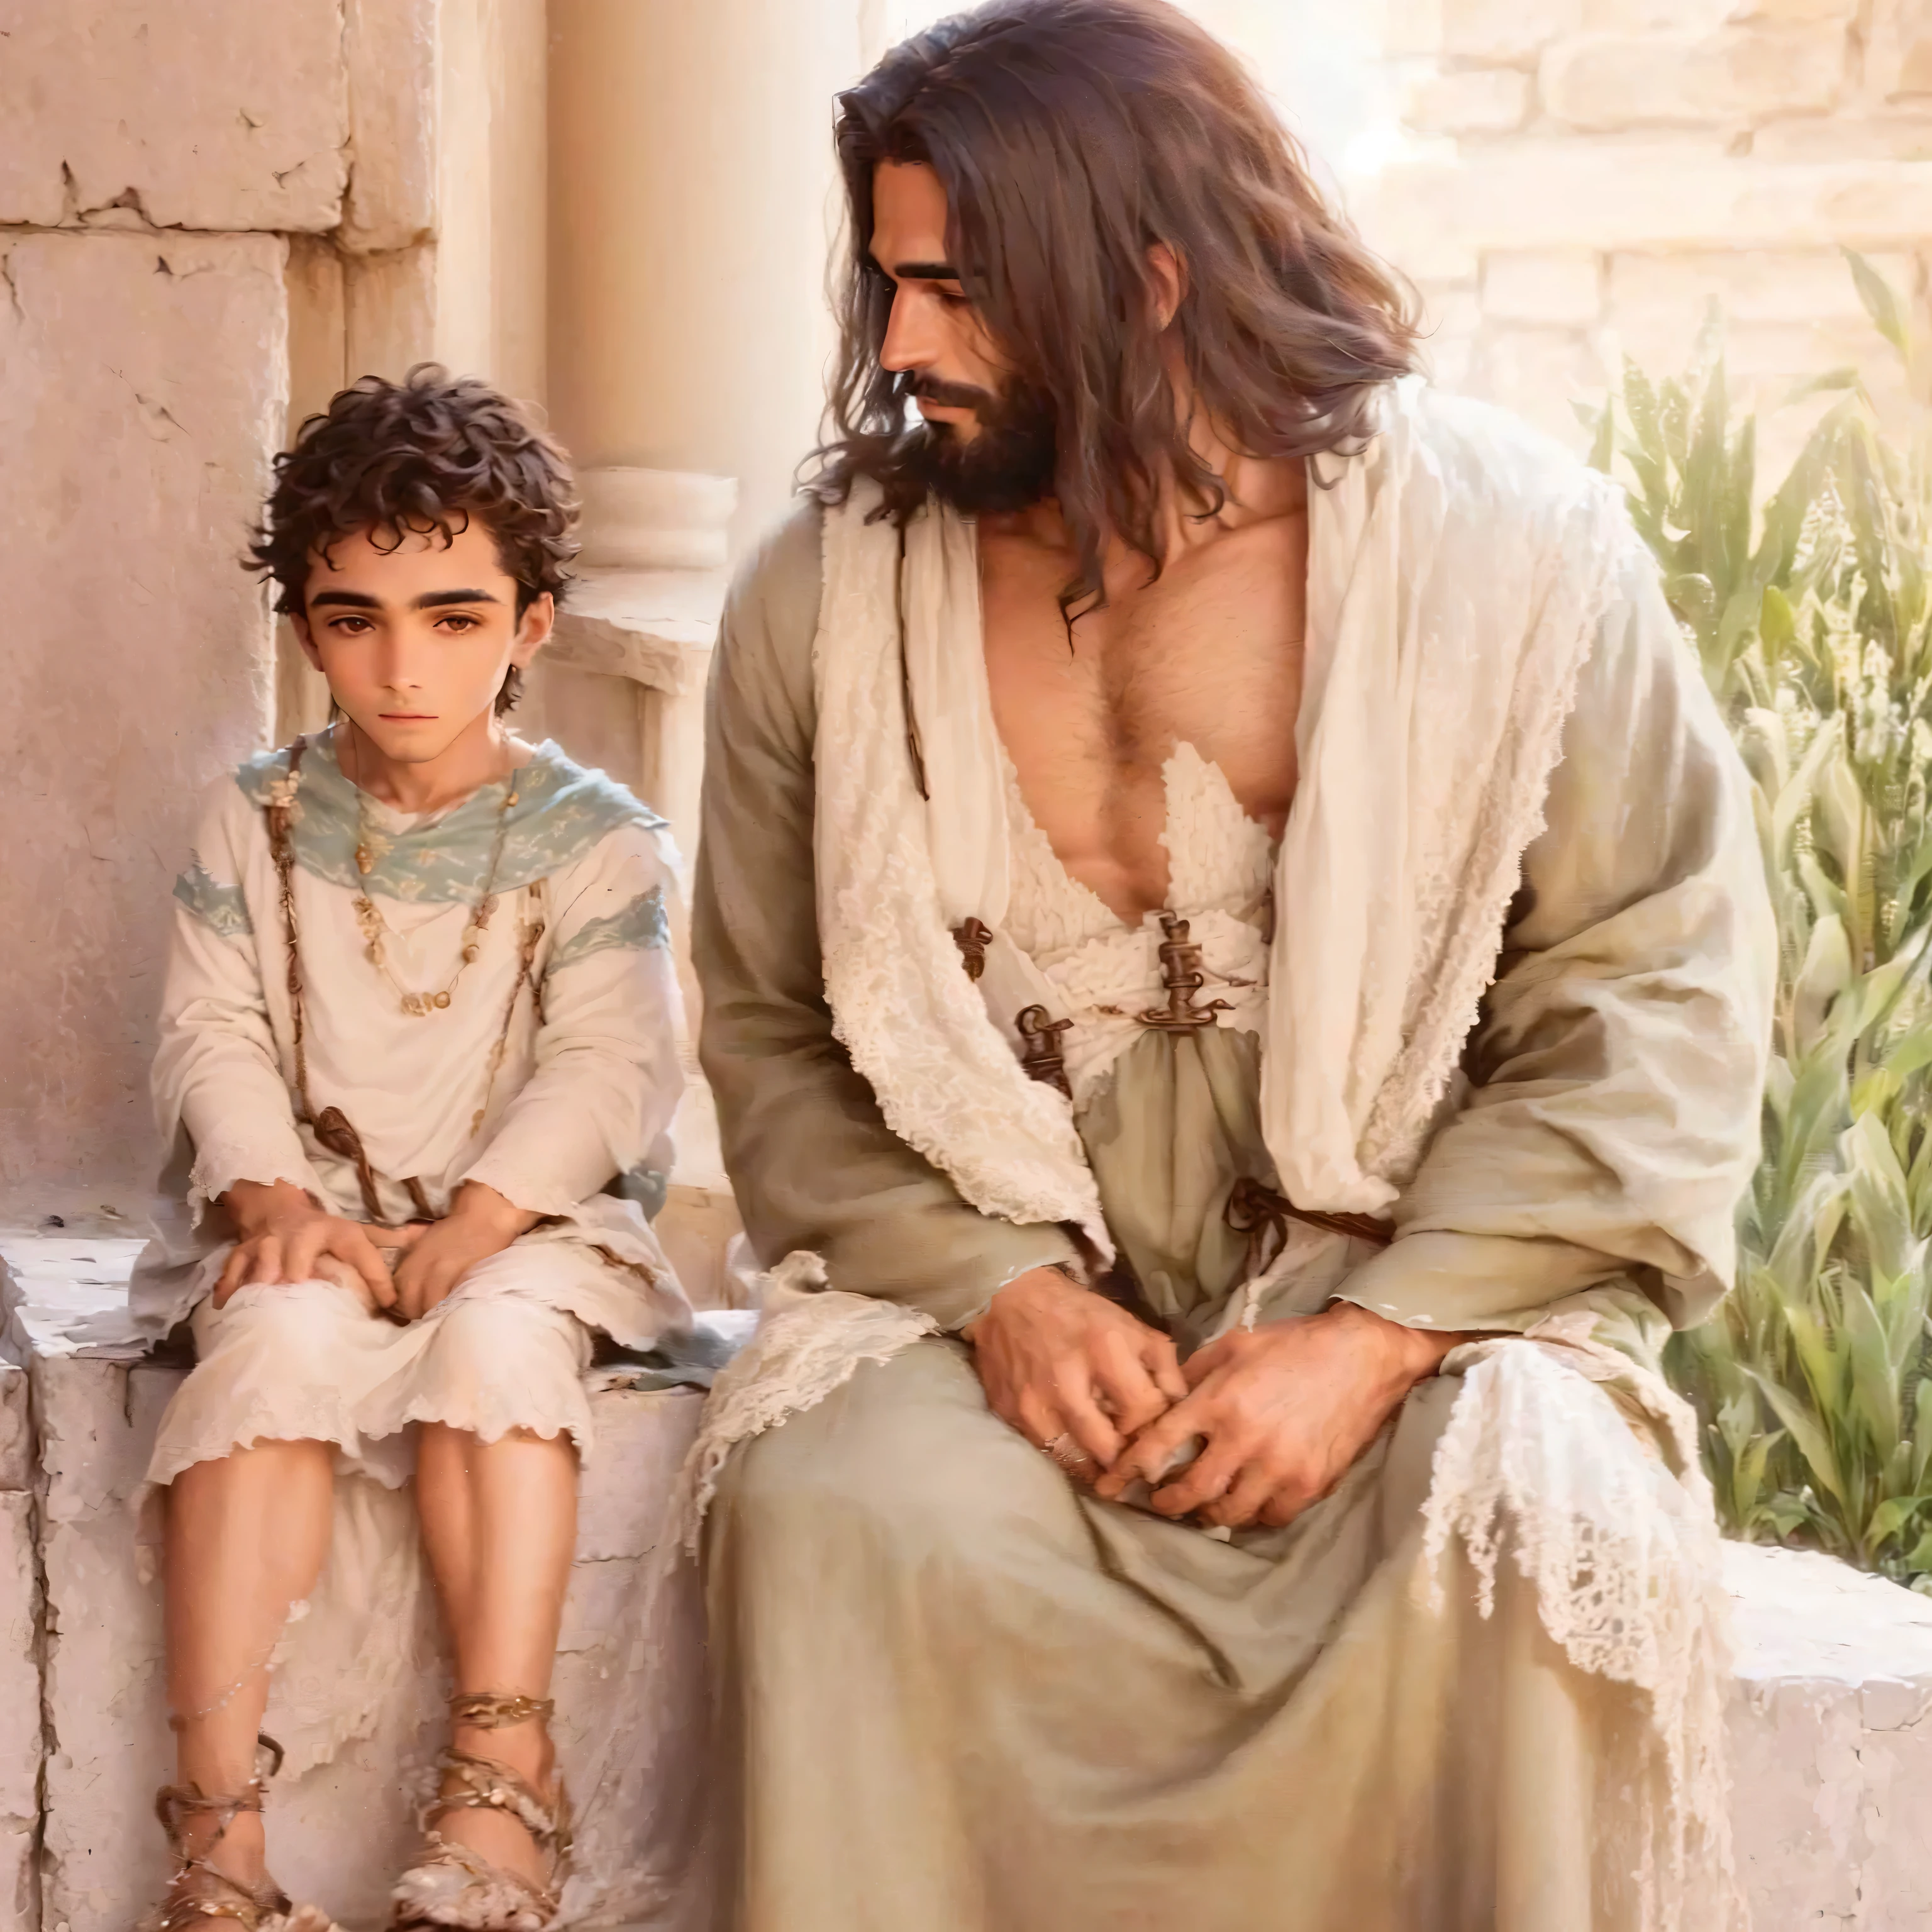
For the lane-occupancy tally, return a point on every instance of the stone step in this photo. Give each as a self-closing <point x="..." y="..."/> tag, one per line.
<point x="1830" y="1719"/>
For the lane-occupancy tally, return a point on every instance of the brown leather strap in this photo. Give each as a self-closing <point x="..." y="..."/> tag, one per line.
<point x="492" y="1710"/>
<point x="1258" y="1212"/>
<point x="915" y="747"/>
<point x="332" y="1128"/>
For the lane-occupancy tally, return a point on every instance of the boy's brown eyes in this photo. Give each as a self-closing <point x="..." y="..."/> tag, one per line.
<point x="459" y="622"/>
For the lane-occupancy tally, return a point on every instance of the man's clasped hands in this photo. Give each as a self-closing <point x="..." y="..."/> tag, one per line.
<point x="1279" y="1411"/>
<point x="283" y="1236"/>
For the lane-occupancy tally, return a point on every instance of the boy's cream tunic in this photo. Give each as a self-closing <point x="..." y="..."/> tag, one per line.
<point x="1480" y="1686"/>
<point x="579" y="1100"/>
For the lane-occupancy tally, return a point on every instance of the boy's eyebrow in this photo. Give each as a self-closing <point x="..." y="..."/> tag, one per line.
<point x="430" y="600"/>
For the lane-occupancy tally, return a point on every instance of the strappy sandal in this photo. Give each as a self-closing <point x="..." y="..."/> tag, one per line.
<point x="197" y="1892"/>
<point x="452" y="1886"/>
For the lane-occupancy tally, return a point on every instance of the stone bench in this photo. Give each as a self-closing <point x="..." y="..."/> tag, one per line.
<point x="1831" y="1720"/>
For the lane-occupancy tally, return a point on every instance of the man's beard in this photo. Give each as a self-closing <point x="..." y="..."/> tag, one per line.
<point x="1009" y="466"/>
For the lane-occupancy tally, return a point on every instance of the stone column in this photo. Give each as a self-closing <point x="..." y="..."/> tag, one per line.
<point x="692" y="195"/>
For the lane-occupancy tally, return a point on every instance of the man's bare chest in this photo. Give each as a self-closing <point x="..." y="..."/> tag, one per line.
<point x="1090" y="713"/>
<point x="1214" y="662"/>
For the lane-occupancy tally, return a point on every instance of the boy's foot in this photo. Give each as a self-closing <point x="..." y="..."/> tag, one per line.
<point x="216" y="1841"/>
<point x="498" y="1835"/>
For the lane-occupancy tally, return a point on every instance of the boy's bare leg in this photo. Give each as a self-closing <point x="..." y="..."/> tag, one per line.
<point x="500" y="1523"/>
<point x="246" y="1536"/>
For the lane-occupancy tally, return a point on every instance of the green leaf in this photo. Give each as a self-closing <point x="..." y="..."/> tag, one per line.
<point x="1846" y="378"/>
<point x="1889" y="1518"/>
<point x="1813" y="1441"/>
<point x="1881" y="303"/>
<point x="1826" y="975"/>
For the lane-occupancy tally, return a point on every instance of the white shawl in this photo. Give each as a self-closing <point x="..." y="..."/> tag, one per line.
<point x="1459" y="570"/>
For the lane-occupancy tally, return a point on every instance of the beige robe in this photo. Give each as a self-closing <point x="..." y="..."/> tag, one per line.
<point x="958" y="1693"/>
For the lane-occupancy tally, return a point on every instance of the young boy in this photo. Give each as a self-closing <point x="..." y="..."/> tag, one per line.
<point x="419" y="1014"/>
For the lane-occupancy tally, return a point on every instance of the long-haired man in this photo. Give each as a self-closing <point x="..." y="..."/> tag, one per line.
<point x="1236" y="969"/>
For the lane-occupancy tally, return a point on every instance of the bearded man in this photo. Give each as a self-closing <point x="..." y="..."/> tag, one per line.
<point x="1236" y="973"/>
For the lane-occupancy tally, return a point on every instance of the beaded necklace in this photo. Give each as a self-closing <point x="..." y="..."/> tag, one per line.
<point x="375" y="928"/>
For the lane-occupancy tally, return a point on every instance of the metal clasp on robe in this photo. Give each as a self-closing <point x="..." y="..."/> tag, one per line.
<point x="1041" y="1055"/>
<point x="1182" y="972"/>
<point x="972" y="939"/>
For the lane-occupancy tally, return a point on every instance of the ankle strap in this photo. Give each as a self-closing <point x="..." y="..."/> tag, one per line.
<point x="495" y="1710"/>
<point x="174" y="1802"/>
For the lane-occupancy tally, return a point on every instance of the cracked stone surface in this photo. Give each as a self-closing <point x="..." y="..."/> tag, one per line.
<point x="20" y="1663"/>
<point x="391" y="46"/>
<point x="142" y="397"/>
<point x="226" y="115"/>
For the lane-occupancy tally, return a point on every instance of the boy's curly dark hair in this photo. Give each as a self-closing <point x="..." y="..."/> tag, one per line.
<point x="423" y="454"/>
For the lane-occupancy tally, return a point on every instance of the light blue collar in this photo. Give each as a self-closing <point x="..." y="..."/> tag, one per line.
<point x="562" y="811"/>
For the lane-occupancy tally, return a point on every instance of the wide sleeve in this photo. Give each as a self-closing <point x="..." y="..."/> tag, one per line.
<point x="607" y="1079"/>
<point x="219" y="1093"/>
<point x="1611" y="1122"/>
<point x="812" y="1162"/>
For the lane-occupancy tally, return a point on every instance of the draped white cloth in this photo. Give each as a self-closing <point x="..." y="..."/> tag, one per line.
<point x="1459" y="570"/>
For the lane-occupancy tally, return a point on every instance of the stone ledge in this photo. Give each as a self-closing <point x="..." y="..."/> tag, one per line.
<point x="655" y="627"/>
<point x="1830" y="1729"/>
<point x="1830" y="1719"/>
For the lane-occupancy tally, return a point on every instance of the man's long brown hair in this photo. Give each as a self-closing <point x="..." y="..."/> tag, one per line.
<point x="1071" y="137"/>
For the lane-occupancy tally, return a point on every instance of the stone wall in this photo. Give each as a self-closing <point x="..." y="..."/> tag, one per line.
<point x="210" y="217"/>
<point x="155" y="158"/>
<point x="1582" y="177"/>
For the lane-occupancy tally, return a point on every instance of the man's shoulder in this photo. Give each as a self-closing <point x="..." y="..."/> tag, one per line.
<point x="786" y="565"/>
<point x="1503" y="461"/>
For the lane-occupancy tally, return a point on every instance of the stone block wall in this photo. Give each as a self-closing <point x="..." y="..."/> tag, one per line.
<point x="1582" y="177"/>
<point x="190" y="198"/>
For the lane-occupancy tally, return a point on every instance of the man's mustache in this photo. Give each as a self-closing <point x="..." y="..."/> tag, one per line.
<point x="951" y="395"/>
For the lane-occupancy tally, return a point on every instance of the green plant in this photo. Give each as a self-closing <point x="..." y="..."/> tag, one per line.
<point x="1813" y="619"/>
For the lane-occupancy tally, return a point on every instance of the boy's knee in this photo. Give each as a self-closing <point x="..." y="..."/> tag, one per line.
<point x="498" y="1334"/>
<point x="298" y="1321"/>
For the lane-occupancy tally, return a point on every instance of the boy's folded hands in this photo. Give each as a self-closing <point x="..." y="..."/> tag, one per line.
<point x="283" y="1236"/>
<point x="401" y="1272"/>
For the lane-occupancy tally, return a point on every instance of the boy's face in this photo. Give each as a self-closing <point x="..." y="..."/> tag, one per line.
<point x="415" y="641"/>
